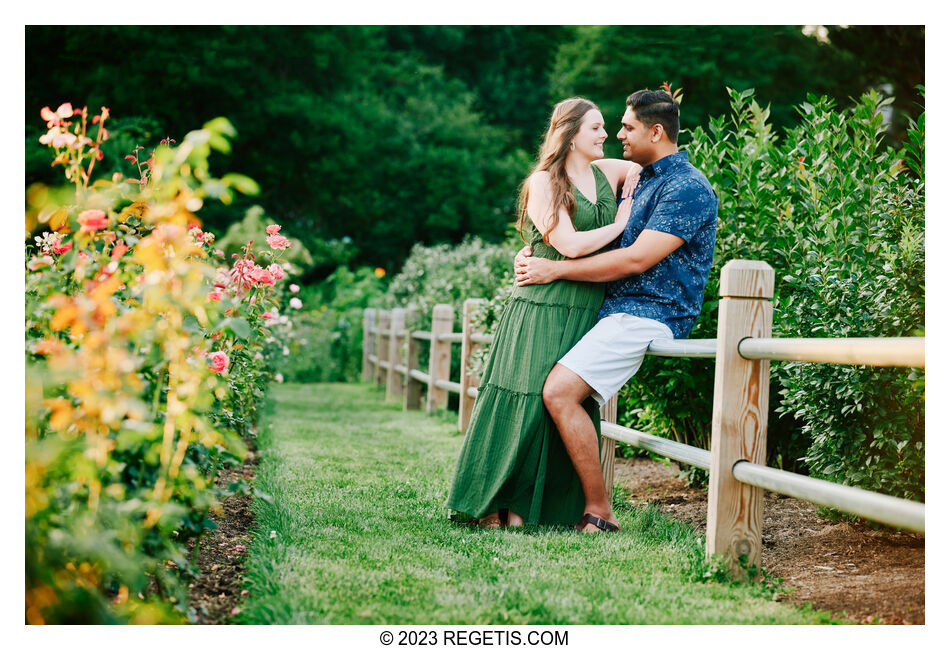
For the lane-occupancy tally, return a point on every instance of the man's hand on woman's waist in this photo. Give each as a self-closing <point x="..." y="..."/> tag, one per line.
<point x="534" y="270"/>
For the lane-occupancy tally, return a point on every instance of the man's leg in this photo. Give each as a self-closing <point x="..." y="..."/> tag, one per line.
<point x="564" y="394"/>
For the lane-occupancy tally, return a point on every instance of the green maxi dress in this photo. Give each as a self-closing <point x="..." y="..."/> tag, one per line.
<point x="513" y="456"/>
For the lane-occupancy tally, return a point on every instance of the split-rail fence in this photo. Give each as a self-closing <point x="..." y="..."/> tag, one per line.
<point x="742" y="349"/>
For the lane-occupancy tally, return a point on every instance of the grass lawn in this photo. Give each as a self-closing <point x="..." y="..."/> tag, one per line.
<point x="356" y="532"/>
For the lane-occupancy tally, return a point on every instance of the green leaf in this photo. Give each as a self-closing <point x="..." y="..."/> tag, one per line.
<point x="238" y="326"/>
<point x="190" y="324"/>
<point x="243" y="184"/>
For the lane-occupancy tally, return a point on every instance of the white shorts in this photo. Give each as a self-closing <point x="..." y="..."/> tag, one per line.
<point x="612" y="351"/>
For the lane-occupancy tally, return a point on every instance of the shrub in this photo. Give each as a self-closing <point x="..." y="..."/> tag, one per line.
<point x="840" y="218"/>
<point x="451" y="275"/>
<point x="326" y="341"/>
<point x="142" y="375"/>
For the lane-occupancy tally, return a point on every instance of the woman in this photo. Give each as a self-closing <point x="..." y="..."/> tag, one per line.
<point x="513" y="466"/>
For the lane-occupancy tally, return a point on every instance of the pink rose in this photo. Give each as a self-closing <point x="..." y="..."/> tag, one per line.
<point x="278" y="242"/>
<point x="215" y="296"/>
<point x="59" y="248"/>
<point x="92" y="220"/>
<point x="294" y="288"/>
<point x="295" y="303"/>
<point x="219" y="361"/>
<point x="276" y="271"/>
<point x="273" y="230"/>
<point x="262" y="276"/>
<point x="243" y="273"/>
<point x="267" y="315"/>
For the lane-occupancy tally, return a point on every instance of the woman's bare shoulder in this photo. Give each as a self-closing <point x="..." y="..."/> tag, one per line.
<point x="540" y="181"/>
<point x="613" y="164"/>
<point x="614" y="169"/>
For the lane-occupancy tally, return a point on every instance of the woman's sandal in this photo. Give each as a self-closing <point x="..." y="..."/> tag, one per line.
<point x="603" y="524"/>
<point x="500" y="520"/>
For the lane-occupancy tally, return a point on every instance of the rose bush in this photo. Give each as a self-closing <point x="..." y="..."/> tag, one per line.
<point x="145" y="363"/>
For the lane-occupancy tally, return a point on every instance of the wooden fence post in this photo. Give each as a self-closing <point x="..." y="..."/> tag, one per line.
<point x="413" y="394"/>
<point x="369" y="339"/>
<point x="740" y="413"/>
<point x="608" y="446"/>
<point x="382" y="344"/>
<point x="440" y="356"/>
<point x="466" y="379"/>
<point x="397" y="322"/>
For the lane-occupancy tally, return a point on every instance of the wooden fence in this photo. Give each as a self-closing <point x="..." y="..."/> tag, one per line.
<point x="742" y="349"/>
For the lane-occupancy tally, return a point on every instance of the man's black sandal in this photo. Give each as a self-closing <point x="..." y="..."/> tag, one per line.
<point x="603" y="524"/>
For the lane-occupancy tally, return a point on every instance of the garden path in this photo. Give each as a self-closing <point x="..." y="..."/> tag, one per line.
<point x="354" y="531"/>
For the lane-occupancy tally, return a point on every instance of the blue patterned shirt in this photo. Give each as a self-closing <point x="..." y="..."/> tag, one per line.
<point x="672" y="197"/>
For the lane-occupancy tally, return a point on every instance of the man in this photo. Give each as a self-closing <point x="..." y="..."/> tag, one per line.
<point x="656" y="279"/>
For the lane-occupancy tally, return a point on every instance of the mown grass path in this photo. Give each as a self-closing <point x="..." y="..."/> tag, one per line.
<point x="360" y="535"/>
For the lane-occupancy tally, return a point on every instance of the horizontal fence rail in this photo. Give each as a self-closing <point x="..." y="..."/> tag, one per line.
<point x="420" y="376"/>
<point x="901" y="513"/>
<point x="691" y="348"/>
<point x="662" y="446"/>
<point x="742" y="350"/>
<point x="451" y="386"/>
<point x="881" y="508"/>
<point x="907" y="351"/>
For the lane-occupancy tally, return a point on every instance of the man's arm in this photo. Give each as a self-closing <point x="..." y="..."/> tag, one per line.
<point x="648" y="249"/>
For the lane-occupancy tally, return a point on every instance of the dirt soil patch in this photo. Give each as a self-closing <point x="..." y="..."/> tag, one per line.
<point x="861" y="574"/>
<point x="217" y="593"/>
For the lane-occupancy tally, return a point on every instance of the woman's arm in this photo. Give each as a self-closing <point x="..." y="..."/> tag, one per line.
<point x="615" y="170"/>
<point x="564" y="238"/>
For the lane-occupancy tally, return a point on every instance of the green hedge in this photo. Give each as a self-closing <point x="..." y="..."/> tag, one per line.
<point x="325" y="339"/>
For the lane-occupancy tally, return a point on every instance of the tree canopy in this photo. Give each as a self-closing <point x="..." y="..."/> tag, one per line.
<point x="380" y="137"/>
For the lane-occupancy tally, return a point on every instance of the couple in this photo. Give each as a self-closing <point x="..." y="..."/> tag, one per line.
<point x="567" y="341"/>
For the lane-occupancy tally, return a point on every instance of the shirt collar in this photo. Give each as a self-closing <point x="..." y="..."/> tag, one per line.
<point x="666" y="163"/>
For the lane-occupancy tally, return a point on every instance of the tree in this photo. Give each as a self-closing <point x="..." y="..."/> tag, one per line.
<point x="606" y="64"/>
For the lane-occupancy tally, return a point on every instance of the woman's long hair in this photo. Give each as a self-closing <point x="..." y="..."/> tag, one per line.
<point x="565" y="123"/>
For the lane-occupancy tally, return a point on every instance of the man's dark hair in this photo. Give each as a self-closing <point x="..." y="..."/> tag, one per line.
<point x="656" y="107"/>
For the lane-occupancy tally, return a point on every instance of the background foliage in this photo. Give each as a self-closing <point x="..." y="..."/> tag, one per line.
<point x="326" y="341"/>
<point x="396" y="135"/>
